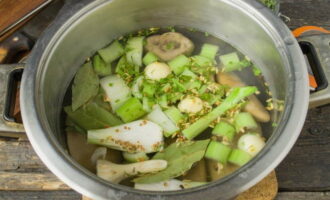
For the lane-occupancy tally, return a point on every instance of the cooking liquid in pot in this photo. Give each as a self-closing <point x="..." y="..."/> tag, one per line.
<point x="137" y="108"/>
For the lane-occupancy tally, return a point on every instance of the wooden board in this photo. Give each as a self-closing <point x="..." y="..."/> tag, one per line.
<point x="14" y="11"/>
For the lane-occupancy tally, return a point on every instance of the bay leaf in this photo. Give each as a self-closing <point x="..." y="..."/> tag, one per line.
<point x="85" y="86"/>
<point x="179" y="157"/>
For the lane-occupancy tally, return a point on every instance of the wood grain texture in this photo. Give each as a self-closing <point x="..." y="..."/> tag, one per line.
<point x="12" y="11"/>
<point x="49" y="195"/>
<point x="303" y="196"/>
<point x="307" y="12"/>
<point x="307" y="167"/>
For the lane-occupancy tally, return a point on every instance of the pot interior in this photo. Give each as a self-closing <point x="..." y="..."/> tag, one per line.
<point x="97" y="24"/>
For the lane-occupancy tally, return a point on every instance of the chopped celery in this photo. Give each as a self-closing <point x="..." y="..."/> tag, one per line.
<point x="147" y="104"/>
<point x="239" y="157"/>
<point x="218" y="151"/>
<point x="136" y="87"/>
<point x="209" y="51"/>
<point x="178" y="64"/>
<point x="231" y="62"/>
<point x="224" y="130"/>
<point x="256" y="70"/>
<point x="174" y="114"/>
<point x="149" y="58"/>
<point x="111" y="52"/>
<point x="92" y="116"/>
<point x="162" y="101"/>
<point x="235" y="96"/>
<point x="193" y="84"/>
<point x="134" y="50"/>
<point x="116" y="90"/>
<point x="245" y="120"/>
<point x="100" y="67"/>
<point x="135" y="157"/>
<point x="178" y="86"/>
<point x="202" y="61"/>
<point x="149" y="89"/>
<point x="131" y="110"/>
<point x="159" y="117"/>
<point x="137" y="136"/>
<point x="188" y="73"/>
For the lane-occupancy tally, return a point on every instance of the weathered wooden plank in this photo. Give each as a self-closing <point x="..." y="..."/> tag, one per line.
<point x="307" y="167"/>
<point x="306" y="12"/>
<point x="303" y="196"/>
<point x="19" y="156"/>
<point x="30" y="181"/>
<point x="49" y="195"/>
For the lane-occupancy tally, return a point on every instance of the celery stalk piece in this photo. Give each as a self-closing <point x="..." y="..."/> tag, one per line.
<point x="135" y="157"/>
<point x="202" y="61"/>
<point x="224" y="130"/>
<point x="159" y="117"/>
<point x="136" y="87"/>
<point x="134" y="50"/>
<point x="147" y="104"/>
<point x="116" y="90"/>
<point x="111" y="52"/>
<point x="235" y="96"/>
<point x="130" y="110"/>
<point x="149" y="89"/>
<point x="245" y="120"/>
<point x="100" y="66"/>
<point x="239" y="157"/>
<point x="231" y="62"/>
<point x="149" y="58"/>
<point x="138" y="136"/>
<point x="174" y="114"/>
<point x="162" y="101"/>
<point x="218" y="151"/>
<point x="178" y="64"/>
<point x="209" y="51"/>
<point x="169" y="185"/>
<point x="189" y="73"/>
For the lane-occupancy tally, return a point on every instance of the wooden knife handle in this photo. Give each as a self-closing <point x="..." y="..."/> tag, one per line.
<point x="13" y="46"/>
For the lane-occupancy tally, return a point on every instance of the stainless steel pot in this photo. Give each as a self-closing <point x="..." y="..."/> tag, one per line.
<point x="87" y="26"/>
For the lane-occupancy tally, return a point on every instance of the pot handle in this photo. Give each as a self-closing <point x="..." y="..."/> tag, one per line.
<point x="315" y="44"/>
<point x="8" y="126"/>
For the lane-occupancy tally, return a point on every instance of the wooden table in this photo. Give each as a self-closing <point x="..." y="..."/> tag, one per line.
<point x="303" y="175"/>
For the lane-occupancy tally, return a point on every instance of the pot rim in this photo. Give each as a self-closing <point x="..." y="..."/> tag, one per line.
<point x="60" y="163"/>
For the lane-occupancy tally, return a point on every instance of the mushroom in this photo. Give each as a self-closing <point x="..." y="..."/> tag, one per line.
<point x="169" y="45"/>
<point x="251" y="143"/>
<point x="190" y="105"/>
<point x="169" y="185"/>
<point x="117" y="172"/>
<point x="253" y="106"/>
<point x="137" y="136"/>
<point x="157" y="71"/>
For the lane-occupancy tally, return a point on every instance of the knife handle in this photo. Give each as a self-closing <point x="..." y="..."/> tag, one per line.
<point x="15" y="45"/>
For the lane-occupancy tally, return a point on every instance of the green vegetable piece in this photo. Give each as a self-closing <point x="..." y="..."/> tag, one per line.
<point x="245" y="120"/>
<point x="239" y="157"/>
<point x="149" y="58"/>
<point x="180" y="157"/>
<point x="134" y="50"/>
<point x="147" y="104"/>
<point x="131" y="110"/>
<point x="111" y="52"/>
<point x="202" y="61"/>
<point x="179" y="64"/>
<point x="100" y="67"/>
<point x="99" y="99"/>
<point x="193" y="84"/>
<point x="92" y="116"/>
<point x="256" y="70"/>
<point x="85" y="86"/>
<point x="218" y="151"/>
<point x="163" y="102"/>
<point x="135" y="157"/>
<point x="209" y="51"/>
<point x="149" y="89"/>
<point x="73" y="127"/>
<point x="174" y="114"/>
<point x="231" y="62"/>
<point x="188" y="73"/>
<point x="224" y="130"/>
<point x="235" y="96"/>
<point x="136" y="87"/>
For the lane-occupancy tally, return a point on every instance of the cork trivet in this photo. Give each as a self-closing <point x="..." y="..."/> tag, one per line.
<point x="264" y="190"/>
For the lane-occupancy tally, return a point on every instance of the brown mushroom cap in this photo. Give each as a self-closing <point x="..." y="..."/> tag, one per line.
<point x="169" y="45"/>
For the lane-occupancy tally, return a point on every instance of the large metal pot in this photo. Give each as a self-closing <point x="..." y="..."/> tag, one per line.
<point x="89" y="25"/>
